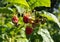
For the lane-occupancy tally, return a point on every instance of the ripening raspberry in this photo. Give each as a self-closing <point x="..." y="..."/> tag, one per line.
<point x="28" y="30"/>
<point x="15" y="19"/>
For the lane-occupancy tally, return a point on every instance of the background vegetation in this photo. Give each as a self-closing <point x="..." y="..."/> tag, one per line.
<point x="47" y="29"/>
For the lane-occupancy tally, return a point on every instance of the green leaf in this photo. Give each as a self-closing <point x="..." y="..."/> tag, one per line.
<point x="5" y="10"/>
<point x="20" y="9"/>
<point x="37" y="3"/>
<point x="45" y="35"/>
<point x="22" y="40"/>
<point x="51" y="17"/>
<point x="10" y="24"/>
<point x="23" y="2"/>
<point x="36" y="38"/>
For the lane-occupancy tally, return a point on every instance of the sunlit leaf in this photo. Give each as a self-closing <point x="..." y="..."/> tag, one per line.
<point x="19" y="9"/>
<point x="37" y="3"/>
<point x="22" y="40"/>
<point x="23" y="2"/>
<point x="45" y="35"/>
<point x="51" y="17"/>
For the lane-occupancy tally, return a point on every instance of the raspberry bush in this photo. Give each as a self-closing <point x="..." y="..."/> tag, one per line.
<point x="29" y="21"/>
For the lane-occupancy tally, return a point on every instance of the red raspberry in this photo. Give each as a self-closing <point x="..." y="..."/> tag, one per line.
<point x="15" y="19"/>
<point x="26" y="18"/>
<point x="28" y="30"/>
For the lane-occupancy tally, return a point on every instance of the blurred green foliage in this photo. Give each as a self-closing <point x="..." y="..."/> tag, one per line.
<point x="9" y="32"/>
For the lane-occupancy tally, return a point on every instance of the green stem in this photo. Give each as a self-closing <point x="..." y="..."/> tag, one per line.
<point x="12" y="39"/>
